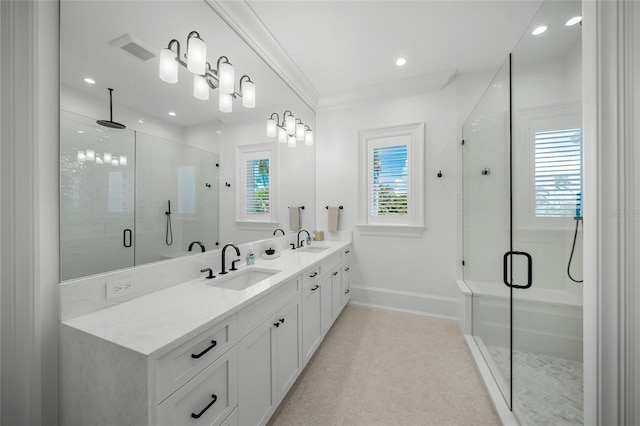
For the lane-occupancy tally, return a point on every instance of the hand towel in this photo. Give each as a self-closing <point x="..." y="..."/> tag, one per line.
<point x="333" y="218"/>
<point x="294" y="218"/>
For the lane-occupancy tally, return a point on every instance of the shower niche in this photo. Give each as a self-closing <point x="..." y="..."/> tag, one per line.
<point x="128" y="198"/>
<point x="522" y="239"/>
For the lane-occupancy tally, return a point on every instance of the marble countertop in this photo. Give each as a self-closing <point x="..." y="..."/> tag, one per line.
<point x="160" y="321"/>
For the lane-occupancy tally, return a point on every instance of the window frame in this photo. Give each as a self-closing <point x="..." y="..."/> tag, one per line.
<point x="246" y="153"/>
<point x="409" y="225"/>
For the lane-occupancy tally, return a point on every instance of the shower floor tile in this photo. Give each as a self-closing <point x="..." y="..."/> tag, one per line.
<point x="546" y="390"/>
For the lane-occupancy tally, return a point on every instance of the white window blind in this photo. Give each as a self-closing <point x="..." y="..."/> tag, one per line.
<point x="558" y="172"/>
<point x="389" y="181"/>
<point x="257" y="198"/>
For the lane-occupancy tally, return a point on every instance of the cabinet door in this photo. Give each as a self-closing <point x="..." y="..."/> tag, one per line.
<point x="325" y="303"/>
<point x="257" y="392"/>
<point x="311" y="325"/>
<point x="336" y="291"/>
<point x="289" y="355"/>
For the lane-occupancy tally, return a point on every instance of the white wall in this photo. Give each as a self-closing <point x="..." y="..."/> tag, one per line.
<point x="412" y="274"/>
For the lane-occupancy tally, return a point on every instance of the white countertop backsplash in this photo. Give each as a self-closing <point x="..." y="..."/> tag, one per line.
<point x="173" y="300"/>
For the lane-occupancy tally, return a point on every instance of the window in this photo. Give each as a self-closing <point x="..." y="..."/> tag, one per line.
<point x="392" y="181"/>
<point x="558" y="172"/>
<point x="256" y="193"/>
<point x="187" y="189"/>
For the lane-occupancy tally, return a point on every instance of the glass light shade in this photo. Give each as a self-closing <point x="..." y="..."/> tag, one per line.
<point x="114" y="162"/>
<point x="123" y="160"/>
<point x="290" y="125"/>
<point x="196" y="55"/>
<point x="308" y="137"/>
<point x="81" y="157"/>
<point x="168" y="66"/>
<point x="91" y="155"/>
<point x="300" y="131"/>
<point x="226" y="102"/>
<point x="200" y="88"/>
<point x="107" y="157"/>
<point x="248" y="94"/>
<point x="291" y="141"/>
<point x="226" y="76"/>
<point x="271" y="128"/>
<point x="282" y="135"/>
<point x="99" y="160"/>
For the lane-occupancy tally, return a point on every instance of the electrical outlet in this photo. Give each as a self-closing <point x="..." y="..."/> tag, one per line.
<point x="119" y="288"/>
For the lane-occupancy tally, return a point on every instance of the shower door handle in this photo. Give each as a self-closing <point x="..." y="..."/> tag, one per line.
<point x="505" y="269"/>
<point x="126" y="237"/>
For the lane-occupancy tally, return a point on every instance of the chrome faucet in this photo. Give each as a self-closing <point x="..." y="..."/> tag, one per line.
<point x="224" y="249"/>
<point x="198" y="243"/>
<point x="301" y="243"/>
<point x="276" y="231"/>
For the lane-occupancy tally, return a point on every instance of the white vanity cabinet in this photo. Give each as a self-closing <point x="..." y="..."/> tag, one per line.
<point x="269" y="357"/>
<point x="346" y="275"/>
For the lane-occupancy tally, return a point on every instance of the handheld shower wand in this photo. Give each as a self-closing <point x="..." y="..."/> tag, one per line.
<point x="169" y="233"/>
<point x="578" y="219"/>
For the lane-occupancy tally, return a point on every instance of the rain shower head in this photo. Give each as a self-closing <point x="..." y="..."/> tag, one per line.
<point x="110" y="123"/>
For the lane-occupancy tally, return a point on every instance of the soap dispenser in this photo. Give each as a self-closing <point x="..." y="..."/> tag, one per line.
<point x="250" y="257"/>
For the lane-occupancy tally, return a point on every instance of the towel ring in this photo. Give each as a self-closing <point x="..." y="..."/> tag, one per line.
<point x="340" y="207"/>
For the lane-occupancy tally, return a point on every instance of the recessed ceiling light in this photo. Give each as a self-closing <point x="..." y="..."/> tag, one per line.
<point x="539" y="30"/>
<point x="141" y="121"/>
<point x="171" y="113"/>
<point x="89" y="80"/>
<point x="81" y="131"/>
<point x="573" y="21"/>
<point x="401" y="61"/>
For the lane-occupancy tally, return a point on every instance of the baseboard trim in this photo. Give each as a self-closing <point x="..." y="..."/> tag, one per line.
<point x="404" y="301"/>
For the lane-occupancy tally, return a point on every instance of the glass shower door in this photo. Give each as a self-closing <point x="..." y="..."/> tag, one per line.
<point x="96" y="197"/>
<point x="486" y="189"/>
<point x="547" y="190"/>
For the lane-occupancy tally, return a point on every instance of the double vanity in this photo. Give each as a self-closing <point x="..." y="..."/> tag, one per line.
<point x="220" y="351"/>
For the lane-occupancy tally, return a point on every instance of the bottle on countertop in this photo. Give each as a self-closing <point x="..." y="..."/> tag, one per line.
<point x="250" y="257"/>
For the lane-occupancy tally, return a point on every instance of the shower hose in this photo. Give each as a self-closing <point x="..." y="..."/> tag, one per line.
<point x="573" y="247"/>
<point x="169" y="233"/>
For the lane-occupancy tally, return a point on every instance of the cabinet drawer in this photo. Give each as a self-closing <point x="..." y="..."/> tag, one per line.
<point x="310" y="277"/>
<point x="178" y="366"/>
<point x="253" y="315"/>
<point x="346" y="252"/>
<point x="211" y="396"/>
<point x="346" y="270"/>
<point x="330" y="263"/>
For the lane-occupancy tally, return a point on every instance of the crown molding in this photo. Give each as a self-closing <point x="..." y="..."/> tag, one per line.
<point x="390" y="90"/>
<point x="244" y="21"/>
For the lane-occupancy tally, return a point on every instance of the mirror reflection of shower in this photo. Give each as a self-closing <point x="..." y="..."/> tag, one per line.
<point x="578" y="219"/>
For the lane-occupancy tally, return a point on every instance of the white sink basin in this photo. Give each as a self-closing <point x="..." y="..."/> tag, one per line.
<point x="312" y="249"/>
<point x="241" y="280"/>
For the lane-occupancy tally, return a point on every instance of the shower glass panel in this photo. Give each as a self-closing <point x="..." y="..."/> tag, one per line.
<point x="546" y="105"/>
<point x="185" y="177"/>
<point x="486" y="224"/>
<point x="97" y="182"/>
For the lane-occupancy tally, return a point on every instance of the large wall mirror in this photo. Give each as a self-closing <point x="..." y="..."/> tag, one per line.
<point x="172" y="177"/>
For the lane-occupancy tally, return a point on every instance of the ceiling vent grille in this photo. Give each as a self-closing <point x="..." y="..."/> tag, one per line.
<point x="133" y="47"/>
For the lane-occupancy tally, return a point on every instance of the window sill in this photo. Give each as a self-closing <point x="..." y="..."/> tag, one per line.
<point x="414" y="231"/>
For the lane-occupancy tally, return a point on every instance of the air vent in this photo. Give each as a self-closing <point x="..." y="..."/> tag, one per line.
<point x="133" y="47"/>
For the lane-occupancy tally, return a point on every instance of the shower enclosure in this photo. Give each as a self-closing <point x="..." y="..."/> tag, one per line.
<point x="116" y="186"/>
<point x="522" y="189"/>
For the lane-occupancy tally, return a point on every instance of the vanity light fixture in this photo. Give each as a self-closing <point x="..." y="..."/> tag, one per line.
<point x="573" y="21"/>
<point x="107" y="158"/>
<point x="205" y="78"/>
<point x="539" y="30"/>
<point x="290" y="130"/>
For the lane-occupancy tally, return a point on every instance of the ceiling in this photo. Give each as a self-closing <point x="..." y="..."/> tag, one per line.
<point x="347" y="46"/>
